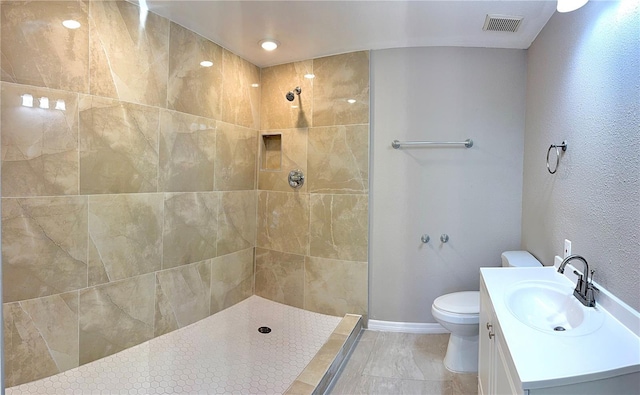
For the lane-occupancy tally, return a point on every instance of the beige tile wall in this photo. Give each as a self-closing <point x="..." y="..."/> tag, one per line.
<point x="132" y="212"/>
<point x="137" y="210"/>
<point x="312" y="242"/>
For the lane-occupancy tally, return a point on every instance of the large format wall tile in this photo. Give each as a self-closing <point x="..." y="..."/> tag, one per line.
<point x="283" y="221"/>
<point x="116" y="316"/>
<point x="339" y="159"/>
<point x="192" y="88"/>
<point x="236" y="221"/>
<point x="125" y="235"/>
<point x="118" y="146"/>
<point x="39" y="146"/>
<point x="43" y="337"/>
<point x="44" y="246"/>
<point x="240" y="91"/>
<point x="187" y="152"/>
<point x="335" y="287"/>
<point x="129" y="54"/>
<point x="293" y="155"/>
<point x="280" y="277"/>
<point x="38" y="50"/>
<point x="276" y="112"/>
<point x="231" y="279"/>
<point x="190" y="228"/>
<point x="183" y="295"/>
<point x="235" y="158"/>
<point x="338" y="79"/>
<point x="339" y="227"/>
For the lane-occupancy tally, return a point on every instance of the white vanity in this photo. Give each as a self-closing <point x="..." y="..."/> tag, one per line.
<point x="536" y="337"/>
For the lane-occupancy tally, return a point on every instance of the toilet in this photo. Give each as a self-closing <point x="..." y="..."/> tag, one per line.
<point x="459" y="313"/>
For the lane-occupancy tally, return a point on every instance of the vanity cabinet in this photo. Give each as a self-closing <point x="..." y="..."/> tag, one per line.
<point x="514" y="358"/>
<point x="496" y="371"/>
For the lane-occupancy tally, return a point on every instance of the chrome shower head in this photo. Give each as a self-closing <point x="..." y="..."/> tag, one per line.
<point x="290" y="95"/>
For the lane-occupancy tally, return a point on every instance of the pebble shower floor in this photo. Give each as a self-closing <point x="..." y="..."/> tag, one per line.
<point x="222" y="354"/>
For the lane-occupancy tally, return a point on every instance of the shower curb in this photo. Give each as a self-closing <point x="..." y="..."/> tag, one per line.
<point x="317" y="375"/>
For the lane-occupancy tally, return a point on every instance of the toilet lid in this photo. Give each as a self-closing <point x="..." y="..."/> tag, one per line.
<point x="467" y="302"/>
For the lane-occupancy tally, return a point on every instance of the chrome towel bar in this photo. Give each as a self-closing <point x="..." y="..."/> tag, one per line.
<point x="468" y="143"/>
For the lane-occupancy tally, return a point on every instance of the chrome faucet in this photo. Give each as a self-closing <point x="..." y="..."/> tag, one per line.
<point x="585" y="292"/>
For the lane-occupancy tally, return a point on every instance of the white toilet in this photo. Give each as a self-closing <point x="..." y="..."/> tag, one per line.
<point x="459" y="312"/>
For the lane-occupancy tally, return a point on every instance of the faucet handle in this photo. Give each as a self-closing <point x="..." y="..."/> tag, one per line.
<point x="592" y="292"/>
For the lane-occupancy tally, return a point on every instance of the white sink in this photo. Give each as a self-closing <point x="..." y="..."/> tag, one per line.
<point x="551" y="307"/>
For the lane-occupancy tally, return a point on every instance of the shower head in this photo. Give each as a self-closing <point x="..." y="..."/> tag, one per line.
<point x="290" y="95"/>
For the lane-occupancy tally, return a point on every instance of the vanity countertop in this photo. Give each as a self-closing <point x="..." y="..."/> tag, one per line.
<point x="545" y="359"/>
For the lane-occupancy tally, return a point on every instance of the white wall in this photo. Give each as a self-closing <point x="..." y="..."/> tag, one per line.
<point x="583" y="85"/>
<point x="474" y="195"/>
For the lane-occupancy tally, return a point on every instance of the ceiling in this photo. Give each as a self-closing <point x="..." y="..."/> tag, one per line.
<point x="311" y="29"/>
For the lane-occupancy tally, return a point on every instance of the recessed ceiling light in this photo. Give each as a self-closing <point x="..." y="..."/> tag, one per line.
<point x="255" y="85"/>
<point x="269" y="45"/>
<point x="351" y="101"/>
<point x="206" y="63"/>
<point x="570" y="5"/>
<point x="71" y="24"/>
<point x="309" y="76"/>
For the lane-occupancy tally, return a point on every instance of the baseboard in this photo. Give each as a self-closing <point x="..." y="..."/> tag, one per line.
<point x="405" y="327"/>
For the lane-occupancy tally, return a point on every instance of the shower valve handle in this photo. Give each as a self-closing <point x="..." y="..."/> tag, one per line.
<point x="296" y="178"/>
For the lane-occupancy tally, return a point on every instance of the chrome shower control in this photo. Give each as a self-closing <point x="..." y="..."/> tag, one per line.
<point x="296" y="178"/>
<point x="444" y="237"/>
<point x="425" y="238"/>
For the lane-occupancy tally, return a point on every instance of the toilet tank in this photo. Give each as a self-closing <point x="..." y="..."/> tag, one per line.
<point x="519" y="259"/>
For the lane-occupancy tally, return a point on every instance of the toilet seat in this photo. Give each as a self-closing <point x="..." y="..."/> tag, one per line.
<point x="467" y="302"/>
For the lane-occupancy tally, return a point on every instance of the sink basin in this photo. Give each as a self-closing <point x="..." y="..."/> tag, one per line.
<point x="551" y="307"/>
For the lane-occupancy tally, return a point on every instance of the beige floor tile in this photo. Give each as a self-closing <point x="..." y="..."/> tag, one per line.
<point x="409" y="356"/>
<point x="398" y="363"/>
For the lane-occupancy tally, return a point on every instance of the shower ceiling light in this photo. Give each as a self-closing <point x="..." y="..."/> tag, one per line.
<point x="206" y="63"/>
<point x="351" y="101"/>
<point x="309" y="76"/>
<point x="268" y="44"/>
<point x="570" y="5"/>
<point x="255" y="85"/>
<point x="71" y="24"/>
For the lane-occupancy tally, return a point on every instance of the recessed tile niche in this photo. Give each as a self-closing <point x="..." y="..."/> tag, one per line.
<point x="271" y="152"/>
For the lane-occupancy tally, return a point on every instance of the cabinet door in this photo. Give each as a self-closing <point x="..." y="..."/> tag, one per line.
<point x="506" y="381"/>
<point x="485" y="351"/>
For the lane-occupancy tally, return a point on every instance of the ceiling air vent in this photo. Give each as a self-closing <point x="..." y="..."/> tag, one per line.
<point x="502" y="23"/>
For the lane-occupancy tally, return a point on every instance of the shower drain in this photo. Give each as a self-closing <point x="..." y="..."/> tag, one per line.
<point x="264" y="329"/>
<point x="559" y="329"/>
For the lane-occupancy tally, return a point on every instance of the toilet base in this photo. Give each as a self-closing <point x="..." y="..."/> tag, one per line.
<point x="462" y="354"/>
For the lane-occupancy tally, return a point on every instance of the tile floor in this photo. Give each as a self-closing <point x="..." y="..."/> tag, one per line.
<point x="222" y="354"/>
<point x="400" y="363"/>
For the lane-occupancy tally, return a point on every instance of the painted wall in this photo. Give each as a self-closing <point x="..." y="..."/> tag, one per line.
<point x="312" y="242"/>
<point x="474" y="195"/>
<point x="583" y="86"/>
<point x="132" y="211"/>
